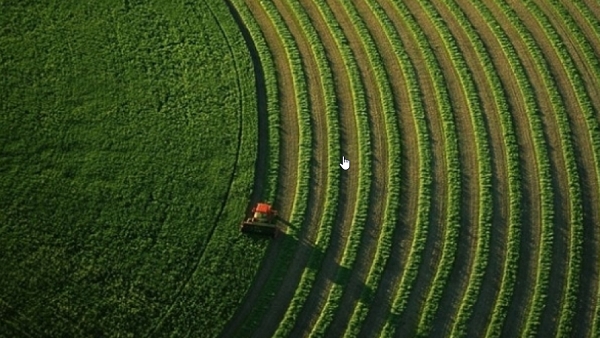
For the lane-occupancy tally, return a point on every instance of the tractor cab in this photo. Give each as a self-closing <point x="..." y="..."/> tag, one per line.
<point x="262" y="221"/>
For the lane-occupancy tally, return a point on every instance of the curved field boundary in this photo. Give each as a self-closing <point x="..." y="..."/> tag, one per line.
<point x="511" y="153"/>
<point x="364" y="156"/>
<point x="384" y="127"/>
<point x="267" y="66"/>
<point x="240" y="138"/>
<point x="452" y="162"/>
<point x="301" y="196"/>
<point x="328" y="219"/>
<point x="416" y="106"/>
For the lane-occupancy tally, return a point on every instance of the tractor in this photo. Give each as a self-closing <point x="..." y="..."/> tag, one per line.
<point x="262" y="221"/>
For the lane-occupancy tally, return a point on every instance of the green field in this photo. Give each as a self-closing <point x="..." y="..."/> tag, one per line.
<point x="127" y="142"/>
<point x="135" y="136"/>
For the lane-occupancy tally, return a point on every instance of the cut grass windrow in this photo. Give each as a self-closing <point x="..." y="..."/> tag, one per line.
<point x="304" y="155"/>
<point x="308" y="276"/>
<point x="514" y="174"/>
<point x="425" y="178"/>
<point x="507" y="288"/>
<point x="485" y="193"/>
<point x="545" y="250"/>
<point x="575" y="204"/>
<point x="589" y="113"/>
<point x="453" y="178"/>
<point x="393" y="169"/>
<point x="569" y="304"/>
<point x="272" y="96"/>
<point x="364" y="184"/>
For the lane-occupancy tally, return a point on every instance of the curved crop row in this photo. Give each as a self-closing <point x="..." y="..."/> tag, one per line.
<point x="512" y="155"/>
<point x="466" y="307"/>
<point x="485" y="193"/>
<point x="425" y="156"/>
<point x="272" y="96"/>
<point x="452" y="162"/>
<point x="593" y="21"/>
<point x="575" y="252"/>
<point x="364" y="184"/>
<point x="575" y="203"/>
<point x="506" y="291"/>
<point x="393" y="169"/>
<point x="589" y="16"/>
<point x="304" y="155"/>
<point x="308" y="276"/>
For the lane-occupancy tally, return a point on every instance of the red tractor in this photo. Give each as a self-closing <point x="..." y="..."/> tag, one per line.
<point x="262" y="221"/>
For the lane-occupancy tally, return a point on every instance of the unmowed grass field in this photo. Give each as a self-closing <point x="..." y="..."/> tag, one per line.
<point x="127" y="149"/>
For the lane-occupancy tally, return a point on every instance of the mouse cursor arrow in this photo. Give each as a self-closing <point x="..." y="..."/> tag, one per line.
<point x="345" y="163"/>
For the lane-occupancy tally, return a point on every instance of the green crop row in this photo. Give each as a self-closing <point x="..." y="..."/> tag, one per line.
<point x="393" y="169"/>
<point x="453" y="168"/>
<point x="364" y="184"/>
<point x="327" y="222"/>
<point x="304" y="156"/>
<point x="507" y="288"/>
<point x="512" y="155"/>
<point x="574" y="76"/>
<point x="545" y="256"/>
<point x="272" y="96"/>
<point x="575" y="203"/>
<point x="416" y="105"/>
<point x="589" y="16"/>
<point x="592" y="20"/>
<point x="485" y="170"/>
<point x="451" y="236"/>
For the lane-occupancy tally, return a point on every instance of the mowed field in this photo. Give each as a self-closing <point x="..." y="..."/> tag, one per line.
<point x="136" y="135"/>
<point x="471" y="204"/>
<point x="128" y="137"/>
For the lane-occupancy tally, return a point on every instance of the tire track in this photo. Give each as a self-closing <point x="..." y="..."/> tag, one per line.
<point x="377" y="195"/>
<point x="348" y="191"/>
<point x="288" y="162"/>
<point x="318" y="182"/>
<point x="403" y="234"/>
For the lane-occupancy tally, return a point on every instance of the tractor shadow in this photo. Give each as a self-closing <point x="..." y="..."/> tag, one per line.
<point x="307" y="256"/>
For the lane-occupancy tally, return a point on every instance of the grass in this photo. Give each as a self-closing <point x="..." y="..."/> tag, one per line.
<point x="119" y="140"/>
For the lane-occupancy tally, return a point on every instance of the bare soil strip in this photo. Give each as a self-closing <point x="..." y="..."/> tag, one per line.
<point x="585" y="160"/>
<point x="318" y="182"/>
<point x="378" y="191"/>
<point x="409" y="193"/>
<point x="499" y="229"/>
<point x="531" y="191"/>
<point x="432" y="252"/>
<point x="288" y="165"/>
<point x="348" y="190"/>
<point x="467" y="242"/>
